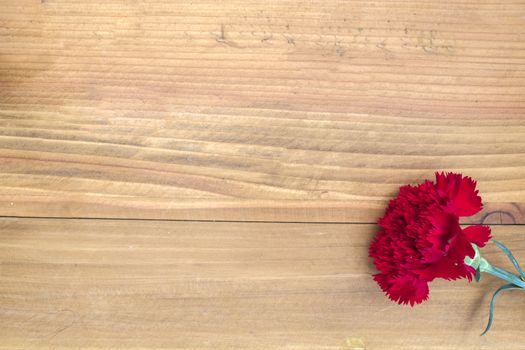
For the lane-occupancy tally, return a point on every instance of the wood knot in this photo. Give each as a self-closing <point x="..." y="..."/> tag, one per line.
<point x="498" y="217"/>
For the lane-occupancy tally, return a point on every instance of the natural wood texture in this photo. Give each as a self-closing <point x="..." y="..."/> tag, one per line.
<point x="68" y="284"/>
<point x="257" y="110"/>
<point x="293" y="111"/>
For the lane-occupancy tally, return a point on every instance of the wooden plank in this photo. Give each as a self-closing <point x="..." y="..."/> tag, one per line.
<point x="100" y="284"/>
<point x="250" y="110"/>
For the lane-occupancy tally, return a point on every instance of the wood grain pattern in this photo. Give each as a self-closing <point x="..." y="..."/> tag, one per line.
<point x="69" y="284"/>
<point x="292" y="111"/>
<point x="250" y="110"/>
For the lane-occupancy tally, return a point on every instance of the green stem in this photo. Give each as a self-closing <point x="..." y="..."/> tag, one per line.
<point x="485" y="266"/>
<point x="480" y="264"/>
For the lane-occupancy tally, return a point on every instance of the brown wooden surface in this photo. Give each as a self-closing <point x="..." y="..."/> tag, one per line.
<point x="291" y="121"/>
<point x="256" y="110"/>
<point x="147" y="284"/>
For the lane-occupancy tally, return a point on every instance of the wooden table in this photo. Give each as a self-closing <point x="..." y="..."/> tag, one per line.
<point x="207" y="174"/>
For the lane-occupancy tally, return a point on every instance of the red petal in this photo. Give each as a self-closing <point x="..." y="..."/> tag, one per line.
<point x="460" y="192"/>
<point x="445" y="226"/>
<point x="432" y="255"/>
<point x="460" y="247"/>
<point x="467" y="202"/>
<point x="479" y="235"/>
<point x="407" y="289"/>
<point x="447" y="269"/>
<point x="451" y="266"/>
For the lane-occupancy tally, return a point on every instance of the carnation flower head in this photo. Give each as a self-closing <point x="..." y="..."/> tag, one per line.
<point x="420" y="238"/>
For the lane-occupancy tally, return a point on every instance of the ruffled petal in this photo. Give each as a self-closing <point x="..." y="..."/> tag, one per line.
<point x="460" y="247"/>
<point x="479" y="235"/>
<point x="447" y="269"/>
<point x="421" y="239"/>
<point x="451" y="266"/>
<point x="460" y="193"/>
<point x="445" y="226"/>
<point x="407" y="289"/>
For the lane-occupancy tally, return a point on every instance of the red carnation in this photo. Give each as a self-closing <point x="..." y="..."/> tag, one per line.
<point x="420" y="237"/>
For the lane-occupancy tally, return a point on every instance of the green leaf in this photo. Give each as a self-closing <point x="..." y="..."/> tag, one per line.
<point x="493" y="301"/>
<point x="508" y="253"/>
<point x="477" y="277"/>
